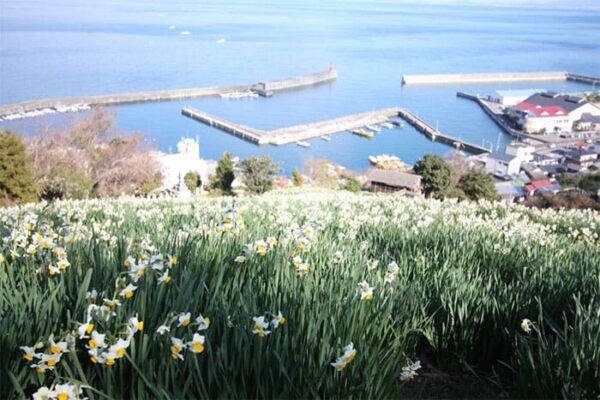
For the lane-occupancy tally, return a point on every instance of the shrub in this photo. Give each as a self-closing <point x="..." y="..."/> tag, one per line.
<point x="16" y="179"/>
<point x="297" y="178"/>
<point x="478" y="185"/>
<point x="352" y="184"/>
<point x="192" y="181"/>
<point x="259" y="173"/>
<point x="223" y="177"/>
<point x="436" y="175"/>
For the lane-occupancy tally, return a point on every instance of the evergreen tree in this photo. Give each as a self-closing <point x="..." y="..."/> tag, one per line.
<point x="259" y="173"/>
<point x="478" y="185"/>
<point x="224" y="175"/>
<point x="436" y="175"/>
<point x="16" y="179"/>
<point x="192" y="181"/>
<point x="297" y="178"/>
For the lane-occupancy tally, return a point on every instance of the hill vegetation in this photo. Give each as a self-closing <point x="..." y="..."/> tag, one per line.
<point x="301" y="294"/>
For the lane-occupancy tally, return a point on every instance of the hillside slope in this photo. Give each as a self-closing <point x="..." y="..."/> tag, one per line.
<point x="298" y="294"/>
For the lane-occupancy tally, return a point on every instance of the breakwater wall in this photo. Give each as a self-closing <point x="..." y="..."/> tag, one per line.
<point x="16" y="110"/>
<point x="292" y="134"/>
<point x="497" y="117"/>
<point x="435" y="135"/>
<point x="583" y="78"/>
<point x="484" y="78"/>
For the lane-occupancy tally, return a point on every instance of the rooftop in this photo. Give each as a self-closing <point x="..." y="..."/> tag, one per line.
<point x="550" y="104"/>
<point x="501" y="157"/>
<point x="394" y="178"/>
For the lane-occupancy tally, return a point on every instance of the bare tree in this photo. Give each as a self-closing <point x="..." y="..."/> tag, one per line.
<point x="91" y="157"/>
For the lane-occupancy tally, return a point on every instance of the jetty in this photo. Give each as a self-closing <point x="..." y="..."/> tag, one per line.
<point x="266" y="88"/>
<point x="583" y="79"/>
<point x="292" y="134"/>
<point x="303" y="132"/>
<point x="494" y="111"/>
<point x="484" y="77"/>
<point x="435" y="135"/>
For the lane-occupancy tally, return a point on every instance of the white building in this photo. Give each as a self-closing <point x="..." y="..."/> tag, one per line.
<point x="511" y="97"/>
<point x="501" y="164"/>
<point x="520" y="150"/>
<point x="174" y="166"/>
<point x="551" y="113"/>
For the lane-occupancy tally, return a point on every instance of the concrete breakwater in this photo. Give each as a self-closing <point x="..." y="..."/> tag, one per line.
<point x="435" y="135"/>
<point x="54" y="105"/>
<point x="583" y="78"/>
<point x="292" y="134"/>
<point x="484" y="78"/>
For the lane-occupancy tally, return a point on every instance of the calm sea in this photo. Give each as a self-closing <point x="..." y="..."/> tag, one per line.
<point x="67" y="48"/>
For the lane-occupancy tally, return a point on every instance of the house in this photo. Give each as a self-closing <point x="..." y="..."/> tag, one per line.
<point x="582" y="157"/>
<point x="381" y="180"/>
<point x="520" y="150"/>
<point x="534" y="186"/>
<point x="511" y="97"/>
<point x="551" y="112"/>
<point x="509" y="192"/>
<point x="588" y="122"/>
<point x="501" y="164"/>
<point x="546" y="159"/>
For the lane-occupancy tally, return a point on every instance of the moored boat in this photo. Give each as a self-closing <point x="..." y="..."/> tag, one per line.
<point x="302" y="143"/>
<point x="363" y="133"/>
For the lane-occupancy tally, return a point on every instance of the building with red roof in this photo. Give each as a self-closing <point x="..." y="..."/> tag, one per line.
<point x="551" y="112"/>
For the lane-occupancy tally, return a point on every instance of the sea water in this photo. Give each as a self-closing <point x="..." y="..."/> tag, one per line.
<point x="72" y="48"/>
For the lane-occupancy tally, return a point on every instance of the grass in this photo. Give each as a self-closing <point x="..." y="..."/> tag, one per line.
<point x="468" y="274"/>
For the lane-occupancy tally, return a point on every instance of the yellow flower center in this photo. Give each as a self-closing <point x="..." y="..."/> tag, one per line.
<point x="121" y="352"/>
<point x="92" y="343"/>
<point x="63" y="396"/>
<point x="282" y="321"/>
<point x="41" y="371"/>
<point x="51" y="362"/>
<point x="89" y="329"/>
<point x="93" y="359"/>
<point x="198" y="347"/>
<point x="128" y="294"/>
<point x="369" y="296"/>
<point x="186" y="322"/>
<point x="28" y="357"/>
<point x="207" y="320"/>
<point x="140" y="326"/>
<point x="351" y="357"/>
<point x="174" y="260"/>
<point x="127" y="264"/>
<point x="54" y="349"/>
<point x="167" y="279"/>
<point x="52" y="272"/>
<point x="110" y="361"/>
<point x="175" y="349"/>
<point x="341" y="366"/>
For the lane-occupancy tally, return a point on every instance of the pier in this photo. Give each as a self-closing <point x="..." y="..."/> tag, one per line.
<point x="263" y="88"/>
<point x="583" y="79"/>
<point x="435" y="135"/>
<point x="494" y="111"/>
<point x="485" y="78"/>
<point x="292" y="134"/>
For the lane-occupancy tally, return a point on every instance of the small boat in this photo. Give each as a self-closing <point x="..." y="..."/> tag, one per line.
<point x="399" y="124"/>
<point x="302" y="143"/>
<point x="221" y="40"/>
<point x="363" y="133"/>
<point x="326" y="138"/>
<point x="373" y="128"/>
<point x="185" y="33"/>
<point x="387" y="125"/>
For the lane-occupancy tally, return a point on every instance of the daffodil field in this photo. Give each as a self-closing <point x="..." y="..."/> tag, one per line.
<point x="295" y="294"/>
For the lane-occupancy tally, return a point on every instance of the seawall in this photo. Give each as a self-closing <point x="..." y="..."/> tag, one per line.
<point x="484" y="78"/>
<point x="164" y="95"/>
